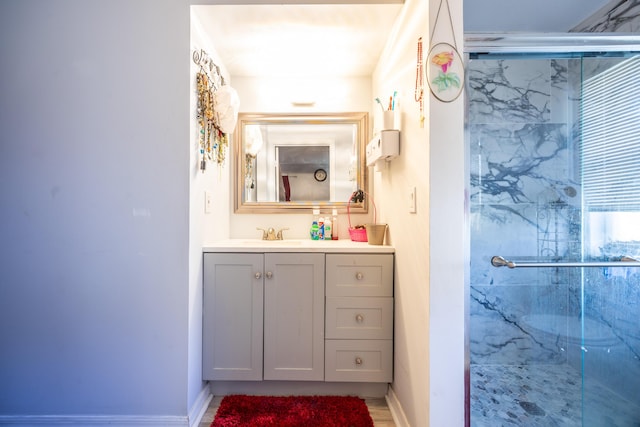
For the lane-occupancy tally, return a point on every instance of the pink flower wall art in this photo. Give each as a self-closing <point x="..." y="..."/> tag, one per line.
<point x="445" y="72"/>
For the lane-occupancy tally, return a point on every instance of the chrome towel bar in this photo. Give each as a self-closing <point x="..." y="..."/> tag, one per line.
<point x="625" y="261"/>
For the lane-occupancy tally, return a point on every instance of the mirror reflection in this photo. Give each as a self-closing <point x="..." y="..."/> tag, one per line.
<point x="296" y="161"/>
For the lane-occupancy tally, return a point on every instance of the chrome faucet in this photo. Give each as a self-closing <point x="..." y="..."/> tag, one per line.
<point x="270" y="234"/>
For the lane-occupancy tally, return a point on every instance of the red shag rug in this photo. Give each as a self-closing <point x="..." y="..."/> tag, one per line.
<point x="292" y="411"/>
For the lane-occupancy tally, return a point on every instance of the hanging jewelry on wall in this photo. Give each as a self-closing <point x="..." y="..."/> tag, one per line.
<point x="217" y="110"/>
<point x="445" y="69"/>
<point x="418" y="93"/>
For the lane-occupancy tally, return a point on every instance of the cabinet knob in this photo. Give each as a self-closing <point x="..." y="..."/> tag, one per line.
<point x="358" y="361"/>
<point x="359" y="275"/>
<point x="258" y="275"/>
<point x="359" y="318"/>
<point x="269" y="275"/>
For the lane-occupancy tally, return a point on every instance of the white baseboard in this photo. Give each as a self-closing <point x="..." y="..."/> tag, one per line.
<point x="399" y="418"/>
<point x="94" y="420"/>
<point x="196" y="413"/>
<point x="200" y="406"/>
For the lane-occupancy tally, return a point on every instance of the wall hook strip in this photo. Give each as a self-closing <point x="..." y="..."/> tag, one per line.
<point x="206" y="64"/>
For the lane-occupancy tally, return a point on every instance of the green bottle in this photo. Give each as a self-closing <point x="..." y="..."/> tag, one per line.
<point x="315" y="228"/>
<point x="315" y="231"/>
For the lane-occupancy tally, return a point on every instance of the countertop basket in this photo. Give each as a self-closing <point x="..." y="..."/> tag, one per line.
<point x="358" y="234"/>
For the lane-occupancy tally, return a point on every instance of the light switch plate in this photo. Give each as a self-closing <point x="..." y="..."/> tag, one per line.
<point x="412" y="200"/>
<point x="208" y="202"/>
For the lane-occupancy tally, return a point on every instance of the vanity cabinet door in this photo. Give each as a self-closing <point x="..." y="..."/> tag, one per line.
<point x="294" y="316"/>
<point x="233" y="316"/>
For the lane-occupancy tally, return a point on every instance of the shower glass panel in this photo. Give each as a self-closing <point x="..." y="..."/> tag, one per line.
<point x="554" y="149"/>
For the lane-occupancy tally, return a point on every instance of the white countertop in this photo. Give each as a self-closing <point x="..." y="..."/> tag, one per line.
<point x="295" y="245"/>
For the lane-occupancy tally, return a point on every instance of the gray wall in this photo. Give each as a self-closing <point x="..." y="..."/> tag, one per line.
<point x="94" y="218"/>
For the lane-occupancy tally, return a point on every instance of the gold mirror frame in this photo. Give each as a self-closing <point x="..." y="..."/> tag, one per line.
<point x="361" y="120"/>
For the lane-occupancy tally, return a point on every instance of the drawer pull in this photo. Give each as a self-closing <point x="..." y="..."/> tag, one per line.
<point x="258" y="275"/>
<point x="358" y="361"/>
<point x="269" y="275"/>
<point x="359" y="275"/>
<point x="359" y="318"/>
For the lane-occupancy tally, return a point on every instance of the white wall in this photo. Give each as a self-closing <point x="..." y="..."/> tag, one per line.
<point x="409" y="233"/>
<point x="203" y="226"/>
<point x="448" y="242"/>
<point x="94" y="214"/>
<point x="429" y="282"/>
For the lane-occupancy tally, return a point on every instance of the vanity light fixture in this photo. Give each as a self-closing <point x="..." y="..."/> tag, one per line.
<point x="306" y="104"/>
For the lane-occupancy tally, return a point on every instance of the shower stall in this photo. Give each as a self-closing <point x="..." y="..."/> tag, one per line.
<point x="553" y="143"/>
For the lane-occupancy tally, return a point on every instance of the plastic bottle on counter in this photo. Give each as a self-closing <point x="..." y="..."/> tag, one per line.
<point x="315" y="235"/>
<point x="315" y="229"/>
<point x="328" y="229"/>
<point x="334" y="225"/>
<point x="321" y="228"/>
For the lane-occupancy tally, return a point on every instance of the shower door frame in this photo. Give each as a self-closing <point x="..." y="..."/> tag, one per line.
<point x="523" y="43"/>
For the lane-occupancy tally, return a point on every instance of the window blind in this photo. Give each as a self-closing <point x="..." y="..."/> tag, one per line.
<point x="610" y="151"/>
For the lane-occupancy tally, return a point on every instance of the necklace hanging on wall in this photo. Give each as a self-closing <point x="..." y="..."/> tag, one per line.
<point x="217" y="110"/>
<point x="445" y="69"/>
<point x="419" y="89"/>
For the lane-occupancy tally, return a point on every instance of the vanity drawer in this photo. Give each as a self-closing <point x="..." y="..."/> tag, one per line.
<point x="359" y="317"/>
<point x="359" y="360"/>
<point x="359" y="275"/>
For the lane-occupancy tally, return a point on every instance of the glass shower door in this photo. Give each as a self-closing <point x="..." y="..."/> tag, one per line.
<point x="554" y="144"/>
<point x="610" y="168"/>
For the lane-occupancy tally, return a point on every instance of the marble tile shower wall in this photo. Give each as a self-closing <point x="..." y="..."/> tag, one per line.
<point x="525" y="203"/>
<point x="622" y="17"/>
<point x="525" y="198"/>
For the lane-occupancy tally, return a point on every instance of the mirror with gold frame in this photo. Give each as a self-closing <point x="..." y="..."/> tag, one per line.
<point x="288" y="163"/>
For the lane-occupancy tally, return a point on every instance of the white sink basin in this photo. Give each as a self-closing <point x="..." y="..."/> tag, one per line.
<point x="259" y="242"/>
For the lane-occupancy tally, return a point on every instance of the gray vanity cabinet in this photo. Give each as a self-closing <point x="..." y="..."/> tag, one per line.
<point x="263" y="316"/>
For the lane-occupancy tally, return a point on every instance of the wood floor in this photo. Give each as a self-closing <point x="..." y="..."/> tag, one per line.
<point x="377" y="408"/>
